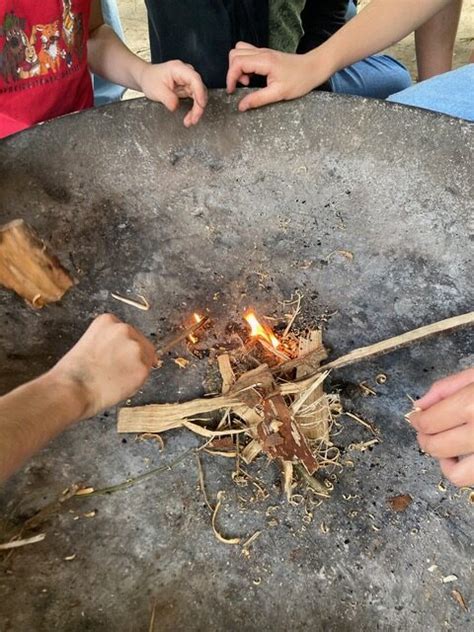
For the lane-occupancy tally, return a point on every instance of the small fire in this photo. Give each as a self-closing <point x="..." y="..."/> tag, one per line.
<point x="259" y="330"/>
<point x="192" y="338"/>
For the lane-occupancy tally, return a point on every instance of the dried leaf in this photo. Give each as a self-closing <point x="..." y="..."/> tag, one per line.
<point x="400" y="503"/>
<point x="457" y="596"/>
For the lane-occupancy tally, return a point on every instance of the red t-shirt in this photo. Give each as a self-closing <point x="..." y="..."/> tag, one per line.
<point x="43" y="61"/>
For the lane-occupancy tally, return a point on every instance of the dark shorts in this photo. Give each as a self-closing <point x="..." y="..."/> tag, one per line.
<point x="203" y="32"/>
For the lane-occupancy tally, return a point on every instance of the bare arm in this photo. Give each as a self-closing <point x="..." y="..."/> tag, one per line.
<point x="109" y="58"/>
<point x="435" y="41"/>
<point x="380" y="24"/>
<point x="108" y="364"/>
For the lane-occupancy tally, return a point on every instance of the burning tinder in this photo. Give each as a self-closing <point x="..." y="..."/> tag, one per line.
<point x="264" y="334"/>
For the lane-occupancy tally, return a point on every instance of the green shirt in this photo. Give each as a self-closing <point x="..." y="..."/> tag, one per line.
<point x="285" y="26"/>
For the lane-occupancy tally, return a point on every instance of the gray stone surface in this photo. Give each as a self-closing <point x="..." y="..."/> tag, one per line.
<point x="249" y="206"/>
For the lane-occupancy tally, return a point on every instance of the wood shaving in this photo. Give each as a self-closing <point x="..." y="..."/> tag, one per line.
<point x="16" y="544"/>
<point x="69" y="558"/>
<point x="381" y="378"/>
<point x="344" y="253"/>
<point x="84" y="491"/>
<point x="219" y="536"/>
<point x="152" y="436"/>
<point x="366" y="390"/>
<point x="324" y="528"/>
<point x="89" y="514"/>
<point x="363" y="446"/>
<point x="362" y="422"/>
<point x="143" y="304"/>
<point x="449" y="579"/>
<point x="181" y="362"/>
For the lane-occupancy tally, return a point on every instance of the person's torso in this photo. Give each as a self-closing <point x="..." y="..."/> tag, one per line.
<point x="43" y="61"/>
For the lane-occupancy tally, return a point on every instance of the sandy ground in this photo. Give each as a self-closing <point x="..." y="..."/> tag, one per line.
<point x="133" y="15"/>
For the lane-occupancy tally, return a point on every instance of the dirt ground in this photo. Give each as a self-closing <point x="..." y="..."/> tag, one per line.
<point x="134" y="22"/>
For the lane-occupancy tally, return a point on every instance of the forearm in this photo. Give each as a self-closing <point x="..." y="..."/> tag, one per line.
<point x="379" y="25"/>
<point x="33" y="414"/>
<point x="109" y="58"/>
<point x="435" y="41"/>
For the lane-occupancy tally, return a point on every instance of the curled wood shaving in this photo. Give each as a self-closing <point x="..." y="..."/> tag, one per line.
<point x="144" y="305"/>
<point x="246" y="545"/>
<point x="219" y="536"/>
<point x="16" y="544"/>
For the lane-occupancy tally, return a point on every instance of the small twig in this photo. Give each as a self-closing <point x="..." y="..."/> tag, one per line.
<point x="138" y="479"/>
<point x="16" y="544"/>
<point x="151" y="627"/>
<point x="144" y="305"/>
<point x="171" y="342"/>
<point x="364" y="423"/>
<point x="201" y="483"/>
<point x="295" y="314"/>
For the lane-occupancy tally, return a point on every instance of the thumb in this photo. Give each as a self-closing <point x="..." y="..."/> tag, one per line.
<point x="261" y="97"/>
<point x="166" y="96"/>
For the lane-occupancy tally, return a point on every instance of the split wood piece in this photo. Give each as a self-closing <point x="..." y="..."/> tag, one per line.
<point x="170" y="343"/>
<point x="227" y="374"/>
<point x="161" y="417"/>
<point x="29" y="267"/>
<point x="279" y="433"/>
<point x="316" y="425"/>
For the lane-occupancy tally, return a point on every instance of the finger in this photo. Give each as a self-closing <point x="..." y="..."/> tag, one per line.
<point x="449" y="444"/>
<point x="245" y="65"/>
<point x="261" y="97"/>
<point x="244" y="80"/>
<point x="191" y="81"/>
<point x="446" y="387"/>
<point x="245" y="45"/>
<point x="147" y="350"/>
<point x="448" y="413"/>
<point x="459" y="471"/>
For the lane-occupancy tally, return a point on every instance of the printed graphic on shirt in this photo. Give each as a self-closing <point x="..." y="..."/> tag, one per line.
<point x="42" y="49"/>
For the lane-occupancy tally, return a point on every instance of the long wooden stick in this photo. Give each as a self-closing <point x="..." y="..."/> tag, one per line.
<point x="154" y="416"/>
<point x="403" y="340"/>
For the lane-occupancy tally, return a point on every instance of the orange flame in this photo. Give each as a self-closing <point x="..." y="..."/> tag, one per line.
<point x="192" y="338"/>
<point x="260" y="330"/>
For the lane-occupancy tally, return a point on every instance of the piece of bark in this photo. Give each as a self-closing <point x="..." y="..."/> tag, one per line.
<point x="251" y="451"/>
<point x="316" y="425"/>
<point x="29" y="267"/>
<point x="279" y="433"/>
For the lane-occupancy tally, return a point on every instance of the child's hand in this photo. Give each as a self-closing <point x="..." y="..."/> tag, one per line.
<point x="288" y="76"/>
<point x="445" y="426"/>
<point x="108" y="364"/>
<point x="174" y="80"/>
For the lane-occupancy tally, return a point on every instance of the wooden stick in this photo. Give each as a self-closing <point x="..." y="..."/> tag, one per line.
<point x="172" y="341"/>
<point x="398" y="342"/>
